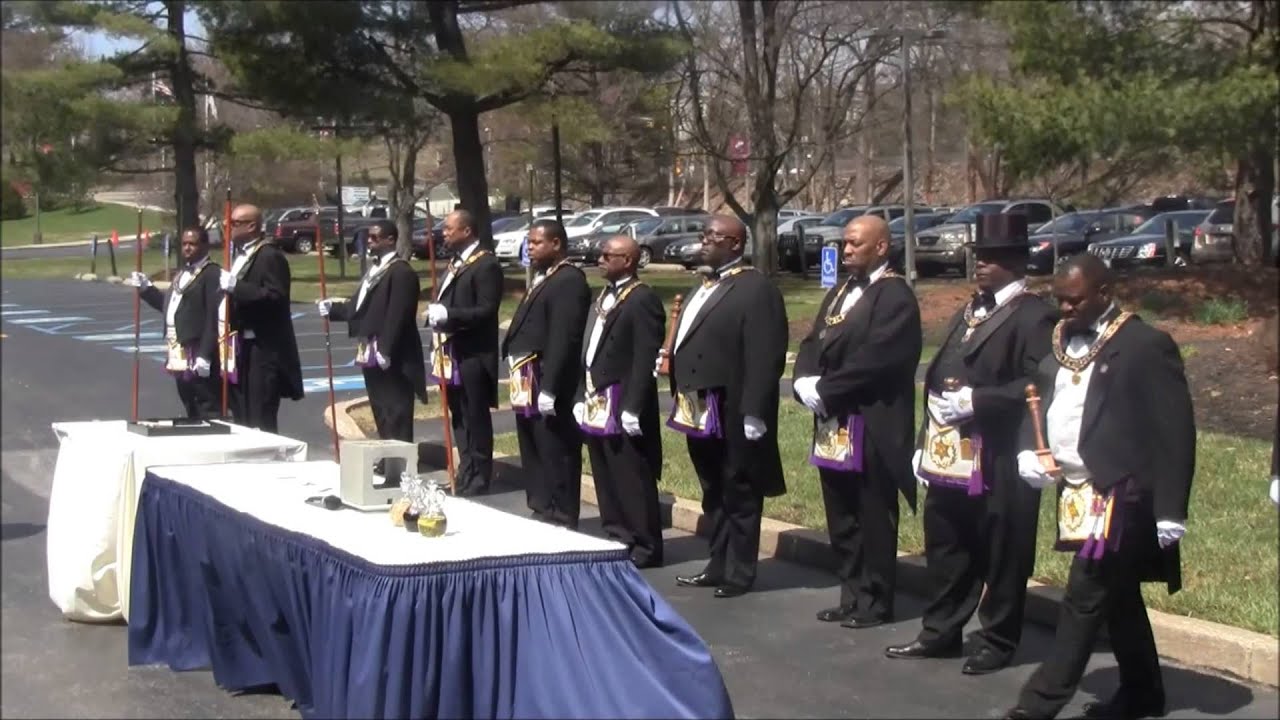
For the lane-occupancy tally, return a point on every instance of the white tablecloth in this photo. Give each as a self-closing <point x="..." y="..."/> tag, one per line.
<point x="275" y="493"/>
<point x="94" y="499"/>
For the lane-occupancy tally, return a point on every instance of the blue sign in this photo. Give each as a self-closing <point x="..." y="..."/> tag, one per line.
<point x="524" y="251"/>
<point x="828" y="266"/>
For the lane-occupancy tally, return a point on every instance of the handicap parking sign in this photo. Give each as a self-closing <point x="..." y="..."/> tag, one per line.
<point x="828" y="266"/>
<point x="524" y="251"/>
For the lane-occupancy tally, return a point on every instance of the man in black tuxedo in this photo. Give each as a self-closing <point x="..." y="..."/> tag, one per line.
<point x="266" y="365"/>
<point x="464" y="322"/>
<point x="856" y="373"/>
<point x="382" y="318"/>
<point x="543" y="347"/>
<point x="1120" y="426"/>
<point x="979" y="517"/>
<point x="617" y="406"/>
<point x="190" y="325"/>
<point x="730" y="350"/>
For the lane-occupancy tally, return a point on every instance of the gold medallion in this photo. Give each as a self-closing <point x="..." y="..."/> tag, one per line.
<point x="1075" y="378"/>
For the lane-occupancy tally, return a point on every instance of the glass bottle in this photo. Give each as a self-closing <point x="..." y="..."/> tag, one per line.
<point x="432" y="521"/>
<point x="413" y="489"/>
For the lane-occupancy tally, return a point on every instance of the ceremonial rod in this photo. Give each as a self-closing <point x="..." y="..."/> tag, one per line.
<point x="225" y="341"/>
<point x="664" y="367"/>
<point x="444" y="382"/>
<point x="137" y="315"/>
<point x="328" y="346"/>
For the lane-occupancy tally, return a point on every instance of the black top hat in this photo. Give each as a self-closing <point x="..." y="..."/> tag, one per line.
<point x="1001" y="231"/>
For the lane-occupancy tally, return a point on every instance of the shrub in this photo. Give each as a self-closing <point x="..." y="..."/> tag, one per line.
<point x="12" y="206"/>
<point x="1221" y="311"/>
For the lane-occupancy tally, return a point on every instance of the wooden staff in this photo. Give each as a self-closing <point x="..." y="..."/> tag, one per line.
<point x="1042" y="450"/>
<point x="443" y="382"/>
<point x="328" y="347"/>
<point x="225" y="342"/>
<point x="664" y="368"/>
<point x="137" y="316"/>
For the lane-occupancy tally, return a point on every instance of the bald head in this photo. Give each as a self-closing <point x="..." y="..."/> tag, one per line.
<point x="619" y="258"/>
<point x="873" y="227"/>
<point x="866" y="245"/>
<point x="246" y="223"/>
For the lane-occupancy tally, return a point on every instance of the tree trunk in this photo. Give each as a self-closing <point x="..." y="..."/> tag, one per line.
<point x="865" y="149"/>
<point x="764" y="225"/>
<point x="186" y="193"/>
<point x="1254" y="187"/>
<point x="468" y="160"/>
<point x="597" y="174"/>
<point x="403" y="182"/>
<point x="930" y="155"/>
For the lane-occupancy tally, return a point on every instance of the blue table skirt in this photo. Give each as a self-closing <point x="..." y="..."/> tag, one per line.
<point x="577" y="635"/>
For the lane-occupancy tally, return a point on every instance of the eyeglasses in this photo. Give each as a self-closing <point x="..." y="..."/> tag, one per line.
<point x="611" y="255"/>
<point x="243" y="221"/>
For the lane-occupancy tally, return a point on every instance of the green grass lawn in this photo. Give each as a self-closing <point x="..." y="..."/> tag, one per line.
<point x="1229" y="554"/>
<point x="68" y="225"/>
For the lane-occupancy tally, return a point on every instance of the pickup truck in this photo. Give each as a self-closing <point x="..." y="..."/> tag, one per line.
<point x="300" y="235"/>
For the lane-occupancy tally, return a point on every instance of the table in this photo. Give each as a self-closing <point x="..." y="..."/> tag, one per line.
<point x="92" y="503"/>
<point x="350" y="616"/>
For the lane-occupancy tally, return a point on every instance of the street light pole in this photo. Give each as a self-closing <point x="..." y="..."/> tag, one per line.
<point x="908" y="186"/>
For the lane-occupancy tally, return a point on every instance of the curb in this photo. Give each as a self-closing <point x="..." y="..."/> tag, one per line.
<point x="1202" y="644"/>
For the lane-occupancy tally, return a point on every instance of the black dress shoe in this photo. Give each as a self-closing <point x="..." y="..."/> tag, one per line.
<point x="862" y="622"/>
<point x="916" y="649"/>
<point x="1126" y="705"/>
<point x="702" y="579"/>
<point x="839" y="613"/>
<point x="984" y="661"/>
<point x="730" y="591"/>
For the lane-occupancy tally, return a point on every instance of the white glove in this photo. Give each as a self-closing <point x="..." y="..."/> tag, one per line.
<point x="807" y="389"/>
<point x="202" y="367"/>
<point x="437" y="314"/>
<point x="1031" y="471"/>
<point x="753" y="428"/>
<point x="657" y="362"/>
<point x="960" y="405"/>
<point x="938" y="408"/>
<point x="227" y="281"/>
<point x="546" y="404"/>
<point x="323" y="305"/>
<point x="579" y="412"/>
<point x="915" y="468"/>
<point x="1169" y="532"/>
<point x="138" y="280"/>
<point x="1275" y="490"/>
<point x="630" y="423"/>
<point x="383" y="362"/>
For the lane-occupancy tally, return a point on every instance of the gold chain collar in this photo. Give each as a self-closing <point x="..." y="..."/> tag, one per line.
<point x="838" y="302"/>
<point x="1076" y="365"/>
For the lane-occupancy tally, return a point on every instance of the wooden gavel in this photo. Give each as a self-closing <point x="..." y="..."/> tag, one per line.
<point x="664" y="368"/>
<point x="1042" y="450"/>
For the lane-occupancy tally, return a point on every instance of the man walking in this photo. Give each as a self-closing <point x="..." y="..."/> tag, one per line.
<point x="382" y="318"/>
<point x="543" y="347"/>
<point x="617" y="406"/>
<point x="979" y="517"/>
<point x="464" y="323"/>
<point x="856" y="373"/>
<point x="730" y="350"/>
<point x="1122" y="502"/>
<point x="190" y="325"/>
<point x="265" y="351"/>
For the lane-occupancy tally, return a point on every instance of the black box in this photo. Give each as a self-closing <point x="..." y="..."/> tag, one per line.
<point x="173" y="427"/>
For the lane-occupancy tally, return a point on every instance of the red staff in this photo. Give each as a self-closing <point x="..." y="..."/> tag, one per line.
<point x="328" y="348"/>
<point x="444" y="382"/>
<point x="137" y="315"/>
<point x="225" y="345"/>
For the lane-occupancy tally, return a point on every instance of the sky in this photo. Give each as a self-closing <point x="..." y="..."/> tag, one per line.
<point x="99" y="45"/>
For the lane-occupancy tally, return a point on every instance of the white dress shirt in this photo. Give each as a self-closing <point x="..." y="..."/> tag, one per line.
<point x="855" y="294"/>
<point x="175" y="298"/>
<point x="456" y="265"/>
<point x="1003" y="295"/>
<point x="699" y="299"/>
<point x="597" y="328"/>
<point x="371" y="277"/>
<point x="1066" y="411"/>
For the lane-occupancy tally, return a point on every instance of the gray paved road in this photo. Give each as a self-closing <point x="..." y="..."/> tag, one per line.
<point x="776" y="659"/>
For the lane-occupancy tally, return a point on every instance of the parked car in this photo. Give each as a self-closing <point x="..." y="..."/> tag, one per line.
<point x="608" y="224"/>
<point x="942" y="247"/>
<point x="1074" y="231"/>
<point x="789" y="239"/>
<point x="1212" y="239"/>
<point x="418" y="241"/>
<point x="1145" y="245"/>
<point x="592" y="220"/>
<point x="687" y="252"/>
<point x="898" y="234"/>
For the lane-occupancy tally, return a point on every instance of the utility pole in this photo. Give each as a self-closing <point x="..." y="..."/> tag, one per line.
<point x="908" y="186"/>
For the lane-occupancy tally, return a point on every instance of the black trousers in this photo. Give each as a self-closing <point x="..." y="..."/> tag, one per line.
<point x="1105" y="591"/>
<point x="201" y="397"/>
<point x="551" y="461"/>
<point x="255" y="399"/>
<point x="626" y="471"/>
<point x="733" y="506"/>
<point x="472" y="425"/>
<point x="972" y="542"/>
<point x="391" y="400"/>
<point x="862" y="522"/>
